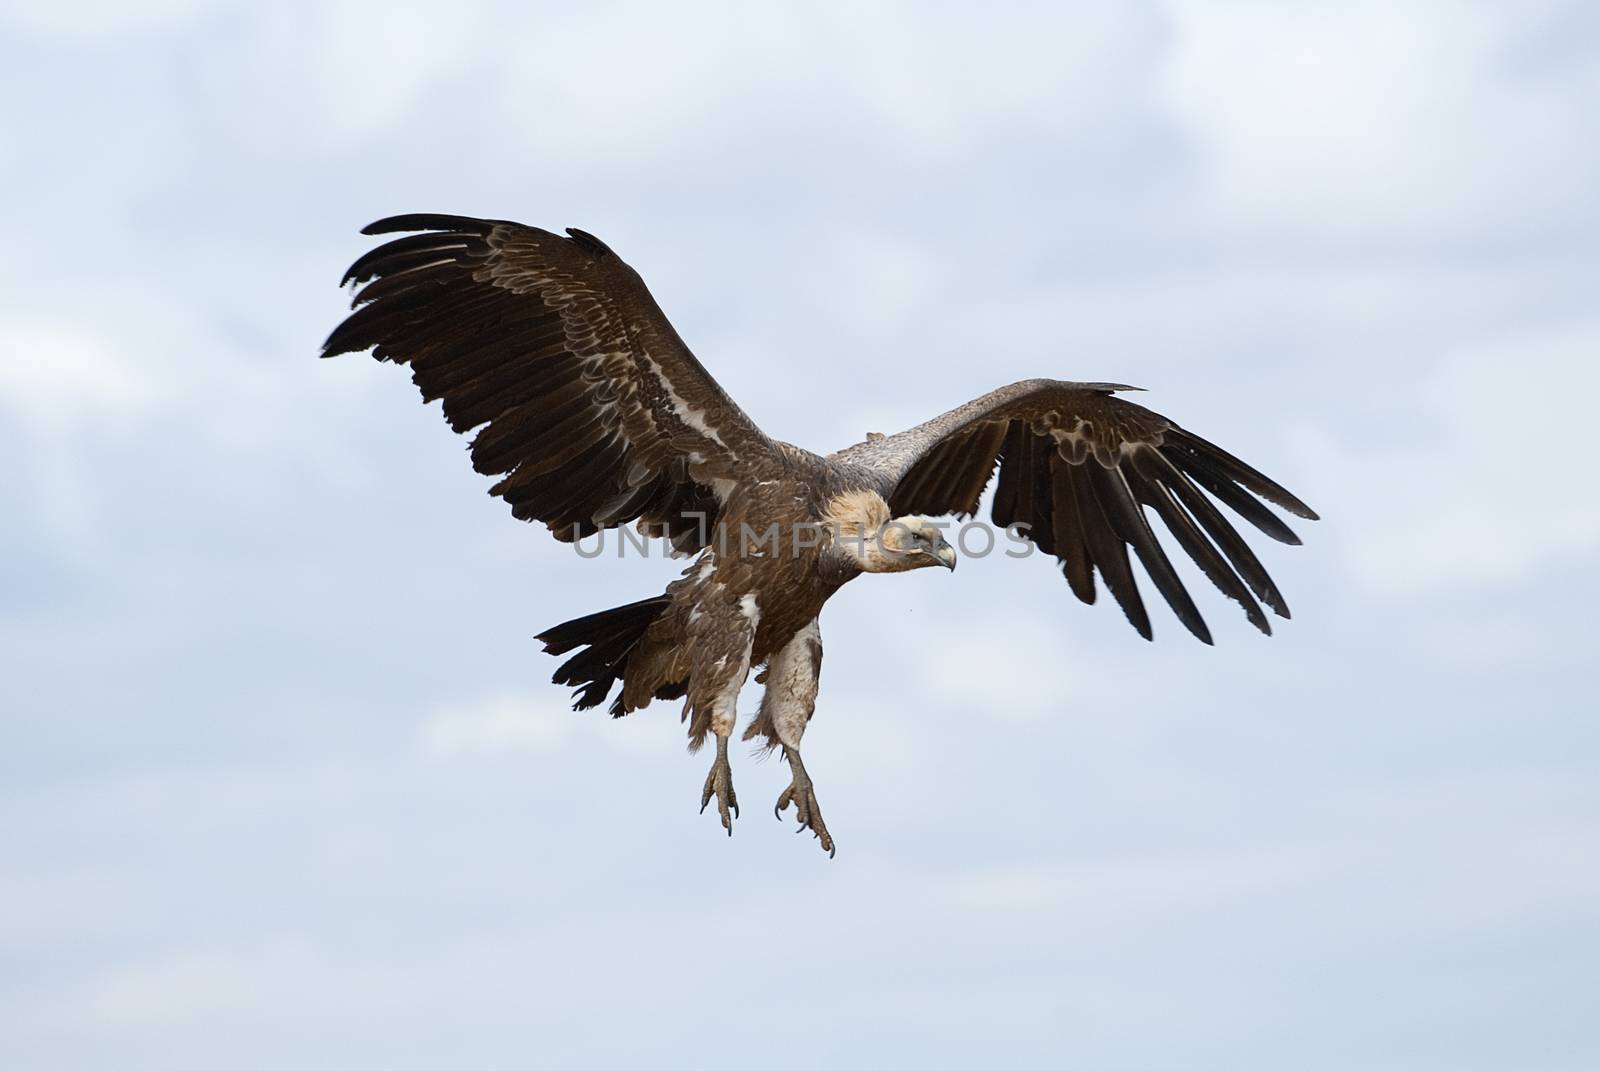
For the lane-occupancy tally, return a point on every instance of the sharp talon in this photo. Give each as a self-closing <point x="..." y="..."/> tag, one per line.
<point x="807" y="815"/>
<point x="719" y="786"/>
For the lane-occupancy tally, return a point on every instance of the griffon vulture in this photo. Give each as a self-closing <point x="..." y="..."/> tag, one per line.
<point x="593" y="413"/>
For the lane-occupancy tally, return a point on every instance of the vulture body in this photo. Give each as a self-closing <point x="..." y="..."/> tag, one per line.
<point x="593" y="413"/>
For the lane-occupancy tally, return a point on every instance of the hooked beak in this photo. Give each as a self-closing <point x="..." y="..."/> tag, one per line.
<point x="945" y="554"/>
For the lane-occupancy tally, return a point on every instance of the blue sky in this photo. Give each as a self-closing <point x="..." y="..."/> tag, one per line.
<point x="285" y="783"/>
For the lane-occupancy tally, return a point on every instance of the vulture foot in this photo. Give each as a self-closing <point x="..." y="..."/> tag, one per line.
<point x="719" y="783"/>
<point x="804" y="797"/>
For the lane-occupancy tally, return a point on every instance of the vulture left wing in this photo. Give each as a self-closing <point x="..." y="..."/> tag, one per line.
<point x="592" y="409"/>
<point x="1078" y="468"/>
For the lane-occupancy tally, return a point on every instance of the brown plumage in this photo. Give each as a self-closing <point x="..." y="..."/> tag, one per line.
<point x="593" y="413"/>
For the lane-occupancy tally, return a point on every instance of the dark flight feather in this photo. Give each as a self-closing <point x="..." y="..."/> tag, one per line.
<point x="555" y="350"/>
<point x="1082" y="467"/>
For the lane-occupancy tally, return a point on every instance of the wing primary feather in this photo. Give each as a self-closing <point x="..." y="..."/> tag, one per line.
<point x="1109" y="552"/>
<point x="1044" y="521"/>
<point x="414" y="286"/>
<point x="431" y="221"/>
<point x="1076" y="565"/>
<point x="403" y="268"/>
<point x="1126" y="516"/>
<point x="1228" y="539"/>
<point x="398" y="323"/>
<point x="1244" y="474"/>
<point x="1150" y="489"/>
<point x="369" y="326"/>
<point x="1236" y="498"/>
<point x="1023" y="506"/>
<point x="403" y="252"/>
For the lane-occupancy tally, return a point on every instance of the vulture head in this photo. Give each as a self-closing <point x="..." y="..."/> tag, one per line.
<point x="909" y="543"/>
<point x="862" y="529"/>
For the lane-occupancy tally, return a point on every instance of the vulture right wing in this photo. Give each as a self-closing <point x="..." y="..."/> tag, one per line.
<point x="592" y="409"/>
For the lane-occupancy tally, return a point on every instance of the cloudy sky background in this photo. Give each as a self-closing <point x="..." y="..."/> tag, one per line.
<point x="285" y="782"/>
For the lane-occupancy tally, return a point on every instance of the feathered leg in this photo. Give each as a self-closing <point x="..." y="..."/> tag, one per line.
<point x="791" y="678"/>
<point x="720" y="640"/>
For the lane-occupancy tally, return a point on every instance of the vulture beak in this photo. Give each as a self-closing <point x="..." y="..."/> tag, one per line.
<point x="945" y="555"/>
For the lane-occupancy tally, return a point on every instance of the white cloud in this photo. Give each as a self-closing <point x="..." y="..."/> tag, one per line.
<point x="68" y="386"/>
<point x="48" y="907"/>
<point x="539" y="723"/>
<point x="1501" y="640"/>
<point x="592" y="93"/>
<point x="54" y="374"/>
<point x="343" y="74"/>
<point x="101" y="17"/>
<point x="1376" y="121"/>
<point x="1477" y="475"/>
<point x="1128" y="890"/>
<point x="188" y="993"/>
<point x="501" y="726"/>
<point x="947" y="80"/>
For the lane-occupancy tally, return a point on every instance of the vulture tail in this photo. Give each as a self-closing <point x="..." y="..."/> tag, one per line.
<point x="608" y="637"/>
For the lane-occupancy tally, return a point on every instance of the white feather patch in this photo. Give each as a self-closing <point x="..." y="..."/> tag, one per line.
<point x="748" y="607"/>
